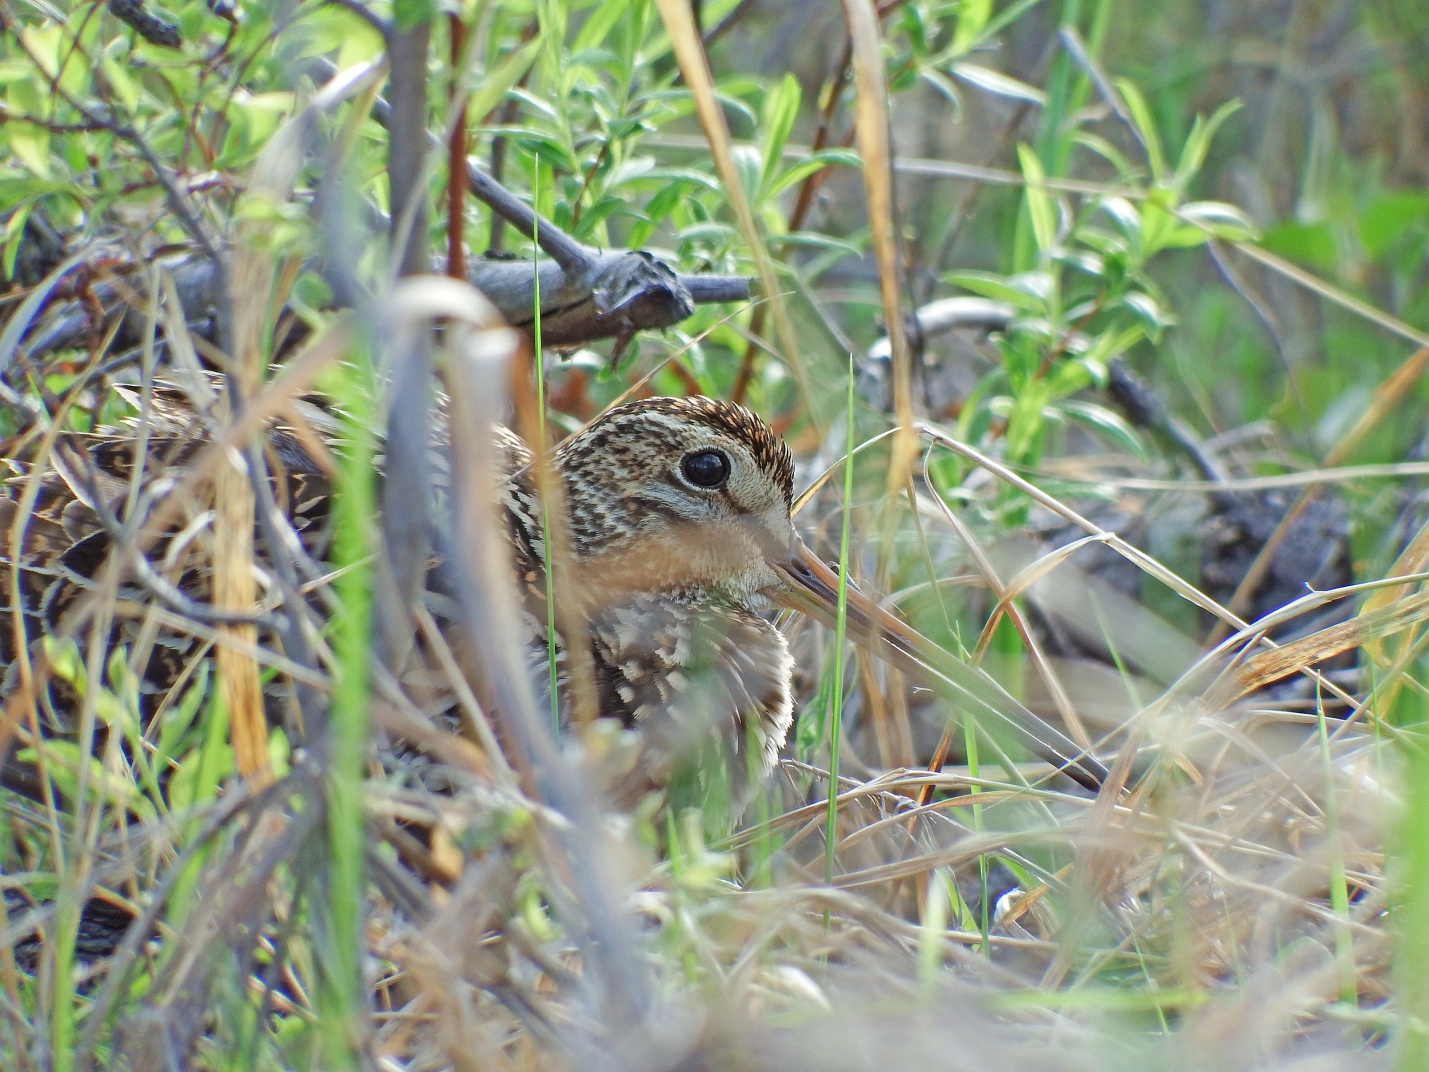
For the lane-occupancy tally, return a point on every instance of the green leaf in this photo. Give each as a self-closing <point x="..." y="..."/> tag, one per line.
<point x="781" y="109"/>
<point x="1104" y="149"/>
<point x="913" y="22"/>
<point x="1030" y="291"/>
<point x="1124" y="214"/>
<point x="815" y="240"/>
<point x="707" y="232"/>
<point x="1022" y="358"/>
<point x="1148" y="311"/>
<point x="29" y="142"/>
<point x="65" y="661"/>
<point x="976" y="416"/>
<point x="630" y="170"/>
<point x="944" y="85"/>
<point x="200" y="772"/>
<point x="1222" y="220"/>
<point x="1027" y="424"/>
<point x="1082" y="260"/>
<point x="972" y="18"/>
<point x="177" y="718"/>
<point x="804" y="168"/>
<point x="408" y="14"/>
<point x="1141" y="119"/>
<point x="125" y="85"/>
<point x="1108" y="345"/>
<point x="1193" y="153"/>
<point x="599" y="24"/>
<point x="749" y="165"/>
<point x="1388" y="216"/>
<point x="998" y="83"/>
<point x="1069" y="377"/>
<point x="1157" y="220"/>
<point x="1310" y="244"/>
<point x="1039" y="206"/>
<point x="1111" y="425"/>
<point x="1183" y="238"/>
<point x="734" y="104"/>
<point x="14" y="232"/>
<point x="686" y="177"/>
<point x="594" y="215"/>
<point x="508" y="72"/>
<point x="63" y="760"/>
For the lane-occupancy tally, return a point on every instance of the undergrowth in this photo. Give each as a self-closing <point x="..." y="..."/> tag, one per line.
<point x="1116" y="395"/>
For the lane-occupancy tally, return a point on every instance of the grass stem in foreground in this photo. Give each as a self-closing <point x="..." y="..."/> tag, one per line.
<point x="836" y="694"/>
<point x="342" y="995"/>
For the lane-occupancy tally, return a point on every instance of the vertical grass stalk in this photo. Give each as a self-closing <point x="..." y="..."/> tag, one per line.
<point x="836" y="693"/>
<point x="1339" y="885"/>
<point x="544" y="488"/>
<point x="342" y="996"/>
<point x="970" y="745"/>
<point x="1410" y="911"/>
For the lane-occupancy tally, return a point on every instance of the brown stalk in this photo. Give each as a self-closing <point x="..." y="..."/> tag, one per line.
<point x="871" y="112"/>
<point x="234" y="588"/>
<point x="487" y="601"/>
<point x="570" y="618"/>
<point x="694" y="66"/>
<point x="456" y="163"/>
<point x="1365" y="629"/>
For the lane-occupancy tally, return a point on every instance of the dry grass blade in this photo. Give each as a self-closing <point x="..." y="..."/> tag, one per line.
<point x="234" y="590"/>
<point x="1386" y="396"/>
<point x="586" y="890"/>
<point x="694" y="65"/>
<point x="1345" y="474"/>
<point x="1132" y="554"/>
<point x="1411" y="561"/>
<point x="1006" y="594"/>
<point x="873" y="146"/>
<point x="1365" y="629"/>
<point x="253" y="305"/>
<point x="1345" y="300"/>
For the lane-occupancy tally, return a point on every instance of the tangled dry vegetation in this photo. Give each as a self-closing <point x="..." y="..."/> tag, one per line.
<point x="1226" y="890"/>
<point x="235" y="836"/>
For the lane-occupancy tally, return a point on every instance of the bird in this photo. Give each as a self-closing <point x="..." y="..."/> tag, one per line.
<point x="681" y="545"/>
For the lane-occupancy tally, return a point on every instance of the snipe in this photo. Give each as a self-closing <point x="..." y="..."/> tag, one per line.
<point x="680" y="542"/>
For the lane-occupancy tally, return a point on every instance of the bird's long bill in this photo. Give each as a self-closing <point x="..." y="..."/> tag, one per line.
<point x="813" y="588"/>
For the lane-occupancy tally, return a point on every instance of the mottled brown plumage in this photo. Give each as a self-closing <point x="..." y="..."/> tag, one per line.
<point x="666" y="574"/>
<point x="679" y="540"/>
<point x="672" y="576"/>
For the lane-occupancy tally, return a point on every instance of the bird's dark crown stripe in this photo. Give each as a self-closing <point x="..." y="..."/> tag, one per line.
<point x="673" y="415"/>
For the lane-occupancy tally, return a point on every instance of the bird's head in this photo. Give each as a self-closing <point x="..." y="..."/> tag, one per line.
<point x="689" y="493"/>
<point x="696" y="494"/>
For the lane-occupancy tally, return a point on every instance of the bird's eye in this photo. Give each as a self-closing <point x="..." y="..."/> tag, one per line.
<point x="705" y="468"/>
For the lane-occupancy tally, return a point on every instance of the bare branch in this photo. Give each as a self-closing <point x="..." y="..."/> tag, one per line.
<point x="145" y="23"/>
<point x="566" y="251"/>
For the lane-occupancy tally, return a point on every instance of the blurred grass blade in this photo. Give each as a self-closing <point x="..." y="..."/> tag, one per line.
<point x="341" y="997"/>
<point x="836" y="686"/>
<point x="871" y="119"/>
<point x="694" y="65"/>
